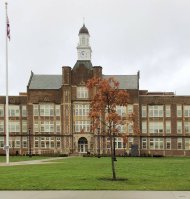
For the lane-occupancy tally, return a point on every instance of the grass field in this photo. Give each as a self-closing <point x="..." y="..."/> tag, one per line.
<point x="95" y="174"/>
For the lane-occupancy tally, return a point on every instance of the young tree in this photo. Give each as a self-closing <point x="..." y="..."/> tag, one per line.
<point x="106" y="96"/>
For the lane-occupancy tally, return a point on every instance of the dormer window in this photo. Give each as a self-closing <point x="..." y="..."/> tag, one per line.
<point x="82" y="92"/>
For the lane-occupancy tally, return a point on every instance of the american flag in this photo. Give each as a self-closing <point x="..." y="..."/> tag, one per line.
<point x="8" y="29"/>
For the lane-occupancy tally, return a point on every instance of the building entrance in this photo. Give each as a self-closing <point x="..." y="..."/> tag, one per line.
<point x="82" y="145"/>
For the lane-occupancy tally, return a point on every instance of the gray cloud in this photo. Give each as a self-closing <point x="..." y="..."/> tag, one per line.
<point x="126" y="36"/>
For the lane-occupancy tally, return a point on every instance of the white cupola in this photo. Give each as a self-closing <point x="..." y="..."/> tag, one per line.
<point x="83" y="49"/>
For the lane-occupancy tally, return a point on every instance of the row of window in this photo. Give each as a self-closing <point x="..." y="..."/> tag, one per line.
<point x="159" y="110"/>
<point x="39" y="142"/>
<point x="48" y="126"/>
<point x="157" y="127"/>
<point x="46" y="110"/>
<point x="158" y="143"/>
<point x="14" y="110"/>
<point x="15" y="142"/>
<point x="14" y="126"/>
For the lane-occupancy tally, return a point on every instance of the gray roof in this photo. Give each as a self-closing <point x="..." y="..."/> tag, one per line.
<point x="45" y="82"/>
<point x="55" y="81"/>
<point x="125" y="81"/>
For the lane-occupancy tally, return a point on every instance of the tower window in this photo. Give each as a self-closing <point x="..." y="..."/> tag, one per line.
<point x="82" y="92"/>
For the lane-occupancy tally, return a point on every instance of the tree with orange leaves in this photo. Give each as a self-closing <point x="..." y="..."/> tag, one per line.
<point x="106" y="97"/>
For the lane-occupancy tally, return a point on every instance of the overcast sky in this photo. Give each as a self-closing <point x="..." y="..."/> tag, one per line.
<point x="152" y="36"/>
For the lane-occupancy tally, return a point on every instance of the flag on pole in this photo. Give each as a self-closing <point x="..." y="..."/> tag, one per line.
<point x="8" y="29"/>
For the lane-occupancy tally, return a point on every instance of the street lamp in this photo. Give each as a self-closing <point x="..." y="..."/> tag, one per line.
<point x="30" y="143"/>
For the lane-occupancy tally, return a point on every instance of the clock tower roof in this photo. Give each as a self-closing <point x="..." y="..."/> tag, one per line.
<point x="83" y="30"/>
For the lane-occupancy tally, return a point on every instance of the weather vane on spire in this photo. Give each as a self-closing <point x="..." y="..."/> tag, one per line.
<point x="83" y="20"/>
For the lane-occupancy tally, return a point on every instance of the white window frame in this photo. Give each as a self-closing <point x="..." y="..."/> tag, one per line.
<point x="155" y="111"/>
<point x="168" y="127"/>
<point x="2" y="110"/>
<point x="179" y="143"/>
<point x="179" y="127"/>
<point x="144" y="127"/>
<point x="144" y="111"/>
<point x="14" y="111"/>
<point x="168" y="143"/>
<point x="2" y="127"/>
<point x="167" y="110"/>
<point x="179" y="110"/>
<point x="187" y="143"/>
<point x="156" y="143"/>
<point x="118" y="143"/>
<point x="155" y="127"/>
<point x="82" y="92"/>
<point x="121" y="111"/>
<point x="186" y="110"/>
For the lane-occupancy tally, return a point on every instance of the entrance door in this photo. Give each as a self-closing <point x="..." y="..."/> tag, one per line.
<point x="83" y="145"/>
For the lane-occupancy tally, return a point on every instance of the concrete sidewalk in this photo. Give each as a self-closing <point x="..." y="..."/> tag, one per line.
<point x="27" y="162"/>
<point x="95" y="194"/>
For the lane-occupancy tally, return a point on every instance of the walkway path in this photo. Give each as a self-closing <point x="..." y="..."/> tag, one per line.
<point x="27" y="162"/>
<point x="94" y="194"/>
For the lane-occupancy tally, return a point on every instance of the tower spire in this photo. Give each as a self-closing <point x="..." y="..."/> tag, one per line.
<point x="83" y="48"/>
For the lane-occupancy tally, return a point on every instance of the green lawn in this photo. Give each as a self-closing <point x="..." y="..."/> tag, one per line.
<point x="93" y="174"/>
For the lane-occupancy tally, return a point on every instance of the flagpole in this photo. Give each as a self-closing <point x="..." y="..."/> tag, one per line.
<point x="7" y="93"/>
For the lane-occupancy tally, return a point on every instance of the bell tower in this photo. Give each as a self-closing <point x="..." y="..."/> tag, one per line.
<point x="83" y="49"/>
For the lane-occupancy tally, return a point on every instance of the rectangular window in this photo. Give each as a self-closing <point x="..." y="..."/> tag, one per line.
<point x="144" y="111"/>
<point x="121" y="128"/>
<point x="17" y="142"/>
<point x="57" y="110"/>
<point x="1" y="142"/>
<point x="130" y="142"/>
<point x="179" y="111"/>
<point x="58" y="142"/>
<point x="58" y="126"/>
<point x="14" y="111"/>
<point x="46" y="110"/>
<point x="36" y="142"/>
<point x="129" y="109"/>
<point x="47" y="126"/>
<point x="81" y="110"/>
<point x="36" y="126"/>
<point x="186" y="111"/>
<point x="1" y="110"/>
<point x="155" y="111"/>
<point x="82" y="92"/>
<point x="156" y="127"/>
<point x="187" y="127"/>
<point x="144" y="126"/>
<point x="24" y="126"/>
<point x="187" y="143"/>
<point x="24" y="113"/>
<point x="118" y="143"/>
<point x="35" y="110"/>
<point x="130" y="128"/>
<point x="1" y="126"/>
<point x="144" y="143"/>
<point x="14" y="126"/>
<point x="179" y="143"/>
<point x="168" y="143"/>
<point x="121" y="111"/>
<point x="168" y="127"/>
<point x="156" y="143"/>
<point x="179" y="127"/>
<point x="81" y="126"/>
<point x="24" y="142"/>
<point x="168" y="110"/>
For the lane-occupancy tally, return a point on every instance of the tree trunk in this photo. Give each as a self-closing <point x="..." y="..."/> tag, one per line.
<point x="112" y="158"/>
